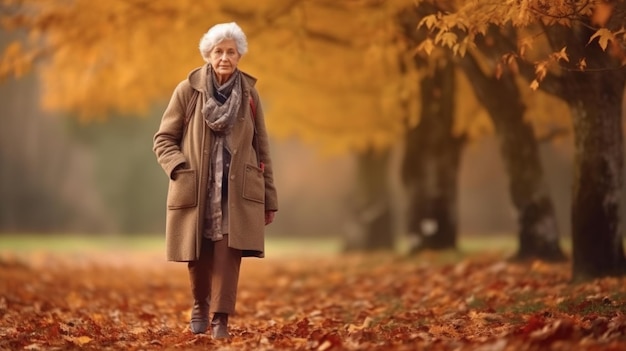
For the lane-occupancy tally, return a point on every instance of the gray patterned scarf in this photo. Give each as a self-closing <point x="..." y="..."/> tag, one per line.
<point x="220" y="118"/>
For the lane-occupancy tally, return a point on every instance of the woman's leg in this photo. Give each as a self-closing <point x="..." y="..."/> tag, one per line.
<point x="224" y="281"/>
<point x="200" y="279"/>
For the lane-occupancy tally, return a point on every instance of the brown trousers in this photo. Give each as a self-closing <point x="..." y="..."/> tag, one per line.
<point x="215" y="275"/>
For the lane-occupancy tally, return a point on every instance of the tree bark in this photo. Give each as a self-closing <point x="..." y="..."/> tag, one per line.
<point x="538" y="234"/>
<point x="598" y="177"/>
<point x="431" y="166"/>
<point x="595" y="99"/>
<point x="372" y="223"/>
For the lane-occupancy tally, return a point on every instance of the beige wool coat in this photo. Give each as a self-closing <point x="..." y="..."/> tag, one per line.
<point x="251" y="189"/>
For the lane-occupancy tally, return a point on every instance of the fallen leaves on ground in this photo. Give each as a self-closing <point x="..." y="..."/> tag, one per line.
<point x="355" y="302"/>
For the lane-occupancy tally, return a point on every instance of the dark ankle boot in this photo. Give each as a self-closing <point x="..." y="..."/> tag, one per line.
<point x="219" y="326"/>
<point x="199" y="317"/>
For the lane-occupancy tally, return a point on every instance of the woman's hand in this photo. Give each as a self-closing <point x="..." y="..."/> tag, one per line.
<point x="269" y="217"/>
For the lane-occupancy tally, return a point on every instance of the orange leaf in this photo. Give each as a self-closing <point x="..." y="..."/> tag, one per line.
<point x="79" y="340"/>
<point x="561" y="55"/>
<point x="604" y="36"/>
<point x="427" y="45"/>
<point x="534" y="85"/>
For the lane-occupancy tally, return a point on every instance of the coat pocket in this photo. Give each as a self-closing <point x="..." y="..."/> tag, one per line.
<point x="254" y="184"/>
<point x="182" y="192"/>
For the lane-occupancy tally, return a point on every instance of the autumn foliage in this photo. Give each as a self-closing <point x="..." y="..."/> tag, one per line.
<point x="133" y="301"/>
<point x="319" y="80"/>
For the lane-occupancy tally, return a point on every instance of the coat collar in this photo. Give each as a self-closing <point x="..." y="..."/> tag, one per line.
<point x="197" y="79"/>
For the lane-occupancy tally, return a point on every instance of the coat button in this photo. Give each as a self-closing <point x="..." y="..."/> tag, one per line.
<point x="232" y="177"/>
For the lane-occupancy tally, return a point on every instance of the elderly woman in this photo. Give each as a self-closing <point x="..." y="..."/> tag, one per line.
<point x="213" y="146"/>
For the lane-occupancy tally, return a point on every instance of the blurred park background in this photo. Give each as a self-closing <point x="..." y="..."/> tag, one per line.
<point x="383" y="134"/>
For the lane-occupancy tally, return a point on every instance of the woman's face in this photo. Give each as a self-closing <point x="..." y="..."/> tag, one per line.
<point x="224" y="59"/>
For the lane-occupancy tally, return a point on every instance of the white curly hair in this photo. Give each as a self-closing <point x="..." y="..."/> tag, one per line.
<point x="219" y="32"/>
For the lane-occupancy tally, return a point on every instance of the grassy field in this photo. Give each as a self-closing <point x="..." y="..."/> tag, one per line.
<point x="61" y="243"/>
<point x="275" y="246"/>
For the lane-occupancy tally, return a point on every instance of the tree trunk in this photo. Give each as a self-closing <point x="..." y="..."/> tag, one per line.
<point x="595" y="100"/>
<point x="431" y="166"/>
<point x="538" y="235"/>
<point x="372" y="223"/>
<point x="598" y="176"/>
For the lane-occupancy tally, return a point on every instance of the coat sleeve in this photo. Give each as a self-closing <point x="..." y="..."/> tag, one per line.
<point x="271" y="198"/>
<point x="167" y="139"/>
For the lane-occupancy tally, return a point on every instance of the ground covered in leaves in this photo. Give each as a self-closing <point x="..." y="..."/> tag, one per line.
<point x="362" y="302"/>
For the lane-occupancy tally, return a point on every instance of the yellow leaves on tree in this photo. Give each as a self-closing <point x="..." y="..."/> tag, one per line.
<point x="15" y="61"/>
<point x="541" y="67"/>
<point x="527" y="16"/>
<point x="327" y="83"/>
<point x="109" y="56"/>
<point x="332" y="73"/>
<point x="328" y="71"/>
